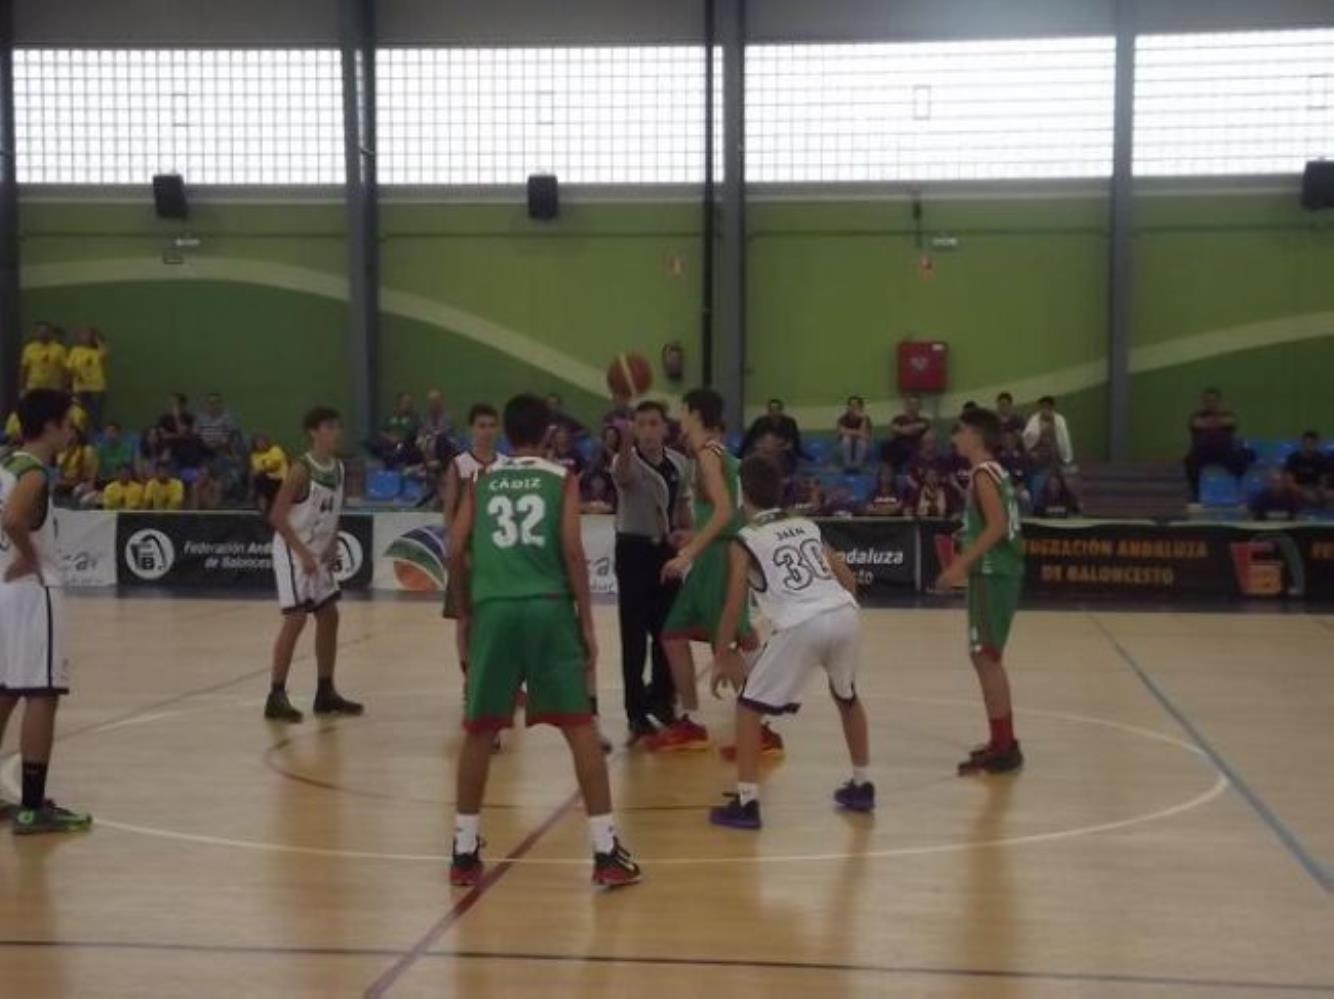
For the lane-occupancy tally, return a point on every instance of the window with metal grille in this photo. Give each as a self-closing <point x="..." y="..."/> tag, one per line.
<point x="118" y="116"/>
<point x="906" y="111"/>
<point x="605" y="115"/>
<point x="1233" y="103"/>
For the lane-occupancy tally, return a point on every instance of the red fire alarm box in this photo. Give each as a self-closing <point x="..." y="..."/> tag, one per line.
<point x="923" y="366"/>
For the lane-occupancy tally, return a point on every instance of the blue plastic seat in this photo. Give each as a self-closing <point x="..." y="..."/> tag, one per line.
<point x="861" y="486"/>
<point x="817" y="449"/>
<point x="384" y="485"/>
<point x="413" y="490"/>
<point x="733" y="441"/>
<point x="1219" y="488"/>
<point x="1253" y="482"/>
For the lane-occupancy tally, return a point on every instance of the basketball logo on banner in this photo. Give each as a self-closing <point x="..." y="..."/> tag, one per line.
<point x="149" y="554"/>
<point x="348" y="558"/>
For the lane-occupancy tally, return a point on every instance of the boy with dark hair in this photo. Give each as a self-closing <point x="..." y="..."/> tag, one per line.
<point x="33" y="666"/>
<point x="305" y="555"/>
<point x="526" y="617"/>
<point x="992" y="564"/>
<point x="1309" y="468"/>
<point x="809" y="595"/>
<point x="702" y="564"/>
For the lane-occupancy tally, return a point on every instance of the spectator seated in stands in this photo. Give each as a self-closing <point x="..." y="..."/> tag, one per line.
<point x="123" y="492"/>
<point x="13" y="431"/>
<point x="76" y="468"/>
<point x="220" y="433"/>
<point x="1213" y="441"/>
<point x="268" y="468"/>
<point x="1011" y="420"/>
<point x="1280" y="499"/>
<point x="164" y="490"/>
<point x="190" y="456"/>
<point x="1015" y="460"/>
<point x="884" y="501"/>
<point x="152" y="450"/>
<point x="435" y="441"/>
<point x="396" y="442"/>
<point x="778" y="424"/>
<point x="171" y="424"/>
<point x="1052" y="452"/>
<point x="88" y="376"/>
<point x="927" y="457"/>
<point x="113" y="451"/>
<point x="1311" y="470"/>
<point x="560" y="418"/>
<point x="596" y="484"/>
<point x="561" y="450"/>
<point x="854" y="434"/>
<point x="906" y="431"/>
<point x="809" y="498"/>
<point x="931" y="499"/>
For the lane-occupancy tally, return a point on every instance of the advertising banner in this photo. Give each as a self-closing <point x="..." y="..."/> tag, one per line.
<point x="87" y="547"/>
<point x="222" y="550"/>
<point x="882" y="554"/>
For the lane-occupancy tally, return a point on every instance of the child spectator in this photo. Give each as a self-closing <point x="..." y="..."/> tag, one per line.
<point x="884" y="501"/>
<point x="854" y="434"/>
<point x="396" y="443"/>
<point x="164" y="491"/>
<point x="268" y="468"/>
<point x="1279" y="500"/>
<point x="43" y="363"/>
<point x="76" y="469"/>
<point x="123" y="492"/>
<point x="1310" y="470"/>
<point x="88" y="375"/>
<point x="932" y="499"/>
<point x="152" y="450"/>
<point x="171" y="424"/>
<point x="113" y="451"/>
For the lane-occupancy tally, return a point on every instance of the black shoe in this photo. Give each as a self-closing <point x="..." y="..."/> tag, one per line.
<point x="735" y="815"/>
<point x="640" y="728"/>
<point x="279" y="708"/>
<point x="664" y="715"/>
<point x="334" y="703"/>
<point x="993" y="761"/>
<point x="615" y="869"/>
<point x="465" y="869"/>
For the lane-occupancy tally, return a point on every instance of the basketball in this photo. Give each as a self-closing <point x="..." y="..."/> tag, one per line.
<point x="629" y="375"/>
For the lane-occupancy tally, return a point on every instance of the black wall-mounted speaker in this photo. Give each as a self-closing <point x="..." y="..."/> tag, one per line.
<point x="169" y="196"/>
<point x="543" y="196"/>
<point x="1318" y="185"/>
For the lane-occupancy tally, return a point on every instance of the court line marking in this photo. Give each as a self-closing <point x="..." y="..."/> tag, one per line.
<point x="1219" y="786"/>
<point x="1312" y="865"/>
<point x="386" y="979"/>
<point x="279" y="950"/>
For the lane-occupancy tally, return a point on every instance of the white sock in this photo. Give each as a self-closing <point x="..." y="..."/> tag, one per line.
<point x="747" y="792"/>
<point x="465" y="833"/>
<point x="859" y="775"/>
<point x="602" y="832"/>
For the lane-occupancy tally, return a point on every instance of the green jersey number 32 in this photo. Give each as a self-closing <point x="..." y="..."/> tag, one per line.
<point x="517" y="521"/>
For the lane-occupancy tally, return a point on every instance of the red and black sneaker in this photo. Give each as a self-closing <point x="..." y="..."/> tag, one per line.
<point x="771" y="746"/>
<point x="466" y="868"/>
<point x="991" y="760"/>
<point x="615" y="869"/>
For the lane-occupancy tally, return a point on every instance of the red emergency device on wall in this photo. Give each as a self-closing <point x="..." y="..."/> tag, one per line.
<point x="923" y="365"/>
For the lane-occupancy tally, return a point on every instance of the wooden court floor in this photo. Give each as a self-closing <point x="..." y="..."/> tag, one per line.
<point x="1173" y="834"/>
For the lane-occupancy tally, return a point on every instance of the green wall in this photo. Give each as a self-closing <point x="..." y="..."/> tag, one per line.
<point x="480" y="301"/>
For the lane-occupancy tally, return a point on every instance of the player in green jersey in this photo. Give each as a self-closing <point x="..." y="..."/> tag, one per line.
<point x="525" y="617"/>
<point x="992" y="564"/>
<point x="702" y="562"/>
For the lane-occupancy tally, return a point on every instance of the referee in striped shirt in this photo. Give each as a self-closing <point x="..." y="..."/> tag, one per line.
<point x="650" y="483"/>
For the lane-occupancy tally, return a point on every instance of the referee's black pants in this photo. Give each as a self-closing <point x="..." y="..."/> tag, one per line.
<point x="644" y="601"/>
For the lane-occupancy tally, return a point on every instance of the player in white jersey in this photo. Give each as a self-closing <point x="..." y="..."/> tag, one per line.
<point x="33" y="667"/>
<point x="305" y="519"/>
<point x="481" y="456"/>
<point x="807" y="593"/>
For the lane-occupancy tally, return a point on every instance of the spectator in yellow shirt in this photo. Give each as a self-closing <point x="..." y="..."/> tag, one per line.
<point x="123" y="492"/>
<point x="164" y="491"/>
<point x="77" y="470"/>
<point x="13" y="430"/>
<point x="88" y="373"/>
<point x="43" y="362"/>
<point x="268" y="468"/>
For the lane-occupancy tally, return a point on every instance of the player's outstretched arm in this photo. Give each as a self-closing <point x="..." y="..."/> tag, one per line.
<point x="840" y="570"/>
<point x="576" y="569"/>
<point x="20" y="512"/>
<point x="622" y="463"/>
<point x="728" y="667"/>
<point x="295" y="484"/>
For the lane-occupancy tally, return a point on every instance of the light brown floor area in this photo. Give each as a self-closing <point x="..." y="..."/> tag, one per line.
<point x="231" y="858"/>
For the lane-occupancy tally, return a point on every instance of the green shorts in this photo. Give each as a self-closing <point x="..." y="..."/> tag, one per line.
<point x="992" y="601"/>
<point x="699" y="605"/>
<point x="534" y="642"/>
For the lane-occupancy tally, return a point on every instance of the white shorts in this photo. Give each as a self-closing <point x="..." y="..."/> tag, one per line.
<point x="830" y="641"/>
<point x="32" y="645"/>
<point x="300" y="592"/>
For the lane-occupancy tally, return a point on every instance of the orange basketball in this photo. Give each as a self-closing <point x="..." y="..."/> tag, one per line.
<point x="629" y="375"/>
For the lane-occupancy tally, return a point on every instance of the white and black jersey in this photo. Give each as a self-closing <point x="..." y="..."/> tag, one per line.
<point x="790" y="576"/>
